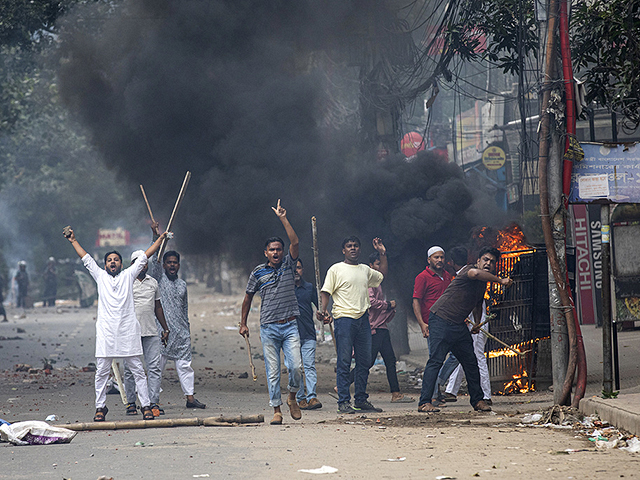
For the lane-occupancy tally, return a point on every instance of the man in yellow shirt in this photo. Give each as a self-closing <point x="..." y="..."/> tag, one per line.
<point x="348" y="285"/>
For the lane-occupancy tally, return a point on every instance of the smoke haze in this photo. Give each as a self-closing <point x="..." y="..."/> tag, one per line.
<point x="239" y="92"/>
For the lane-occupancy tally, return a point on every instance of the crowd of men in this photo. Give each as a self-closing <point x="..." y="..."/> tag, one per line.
<point x="143" y="314"/>
<point x="448" y="308"/>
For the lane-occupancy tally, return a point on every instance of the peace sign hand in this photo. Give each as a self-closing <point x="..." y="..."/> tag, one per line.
<point x="279" y="210"/>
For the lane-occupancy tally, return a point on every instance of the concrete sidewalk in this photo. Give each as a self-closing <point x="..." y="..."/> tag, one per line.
<point x="623" y="411"/>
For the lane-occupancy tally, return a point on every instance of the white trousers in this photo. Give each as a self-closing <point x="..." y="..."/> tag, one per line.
<point x="479" y="342"/>
<point x="134" y="364"/>
<point x="185" y="374"/>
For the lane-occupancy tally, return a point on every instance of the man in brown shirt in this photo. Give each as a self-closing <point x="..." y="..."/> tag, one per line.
<point x="448" y="331"/>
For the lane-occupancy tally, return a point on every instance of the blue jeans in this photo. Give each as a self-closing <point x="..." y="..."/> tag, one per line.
<point x="285" y="337"/>
<point x="448" y="337"/>
<point x="151" y="353"/>
<point x="353" y="334"/>
<point x="447" y="369"/>
<point x="308" y="351"/>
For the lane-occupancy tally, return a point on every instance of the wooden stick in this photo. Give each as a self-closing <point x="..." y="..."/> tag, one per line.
<point x="502" y="343"/>
<point x="116" y="373"/>
<point x="316" y="264"/>
<point x="165" y="423"/>
<point x="253" y="369"/>
<point x="185" y="182"/>
<point x="144" y="195"/>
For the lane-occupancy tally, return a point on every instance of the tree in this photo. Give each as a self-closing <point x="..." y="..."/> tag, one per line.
<point x="606" y="47"/>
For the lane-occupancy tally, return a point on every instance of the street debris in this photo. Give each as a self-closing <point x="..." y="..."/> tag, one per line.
<point x="397" y="459"/>
<point x="321" y="470"/>
<point x="51" y="418"/>
<point x="34" y="432"/>
<point x="603" y="435"/>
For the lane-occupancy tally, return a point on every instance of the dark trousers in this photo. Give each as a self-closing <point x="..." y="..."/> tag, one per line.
<point x="381" y="342"/>
<point x="353" y="335"/>
<point x="456" y="338"/>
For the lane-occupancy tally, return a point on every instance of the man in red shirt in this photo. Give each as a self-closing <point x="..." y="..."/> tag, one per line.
<point x="429" y="285"/>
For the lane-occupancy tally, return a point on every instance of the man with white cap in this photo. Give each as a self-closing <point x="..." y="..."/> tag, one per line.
<point x="146" y="301"/>
<point x="428" y="286"/>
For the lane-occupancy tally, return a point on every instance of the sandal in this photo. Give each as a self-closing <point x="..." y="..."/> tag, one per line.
<point x="427" y="408"/>
<point x="147" y="414"/>
<point x="403" y="399"/>
<point x="100" y="415"/>
<point x="132" y="409"/>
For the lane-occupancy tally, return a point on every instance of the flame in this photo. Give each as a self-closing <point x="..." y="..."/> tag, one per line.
<point x="520" y="382"/>
<point x="511" y="240"/>
<point x="512" y="244"/>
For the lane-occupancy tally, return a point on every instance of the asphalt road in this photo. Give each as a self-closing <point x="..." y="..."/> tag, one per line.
<point x="457" y="442"/>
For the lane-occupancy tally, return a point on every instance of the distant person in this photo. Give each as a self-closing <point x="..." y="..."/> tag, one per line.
<point x="117" y="329"/>
<point x="2" y="310"/>
<point x="275" y="280"/>
<point x="148" y="308"/>
<point x="307" y="296"/>
<point x="348" y="284"/>
<point x="428" y="286"/>
<point x="449" y="332"/>
<point x="22" y="281"/>
<point x="381" y="312"/>
<point x="175" y="304"/>
<point x="50" y="278"/>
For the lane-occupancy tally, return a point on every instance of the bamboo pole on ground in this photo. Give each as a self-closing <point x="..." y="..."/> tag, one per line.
<point x="166" y="423"/>
<point x="183" y="189"/>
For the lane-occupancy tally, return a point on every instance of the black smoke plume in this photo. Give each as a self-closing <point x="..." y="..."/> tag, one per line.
<point x="239" y="92"/>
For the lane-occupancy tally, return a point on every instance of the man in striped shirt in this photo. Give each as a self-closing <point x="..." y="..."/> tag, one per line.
<point x="278" y="313"/>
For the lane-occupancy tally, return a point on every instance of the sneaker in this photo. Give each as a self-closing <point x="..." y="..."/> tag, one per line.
<point x="303" y="405"/>
<point x="345" y="407"/>
<point x="366" y="406"/>
<point x="314" y="404"/>
<point x="132" y="409"/>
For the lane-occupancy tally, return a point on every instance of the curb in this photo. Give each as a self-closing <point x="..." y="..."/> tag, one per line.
<point x="621" y="412"/>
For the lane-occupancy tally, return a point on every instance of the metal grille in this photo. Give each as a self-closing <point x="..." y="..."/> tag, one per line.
<point x="520" y="312"/>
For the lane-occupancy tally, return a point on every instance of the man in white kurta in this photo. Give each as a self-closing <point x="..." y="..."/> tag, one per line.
<point x="117" y="328"/>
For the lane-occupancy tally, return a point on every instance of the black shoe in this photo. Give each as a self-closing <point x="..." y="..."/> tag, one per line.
<point x="450" y="397"/>
<point x="481" y="406"/>
<point x="366" y="406"/>
<point x="132" y="409"/>
<point x="345" y="407"/>
<point x="195" y="404"/>
<point x="488" y="401"/>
